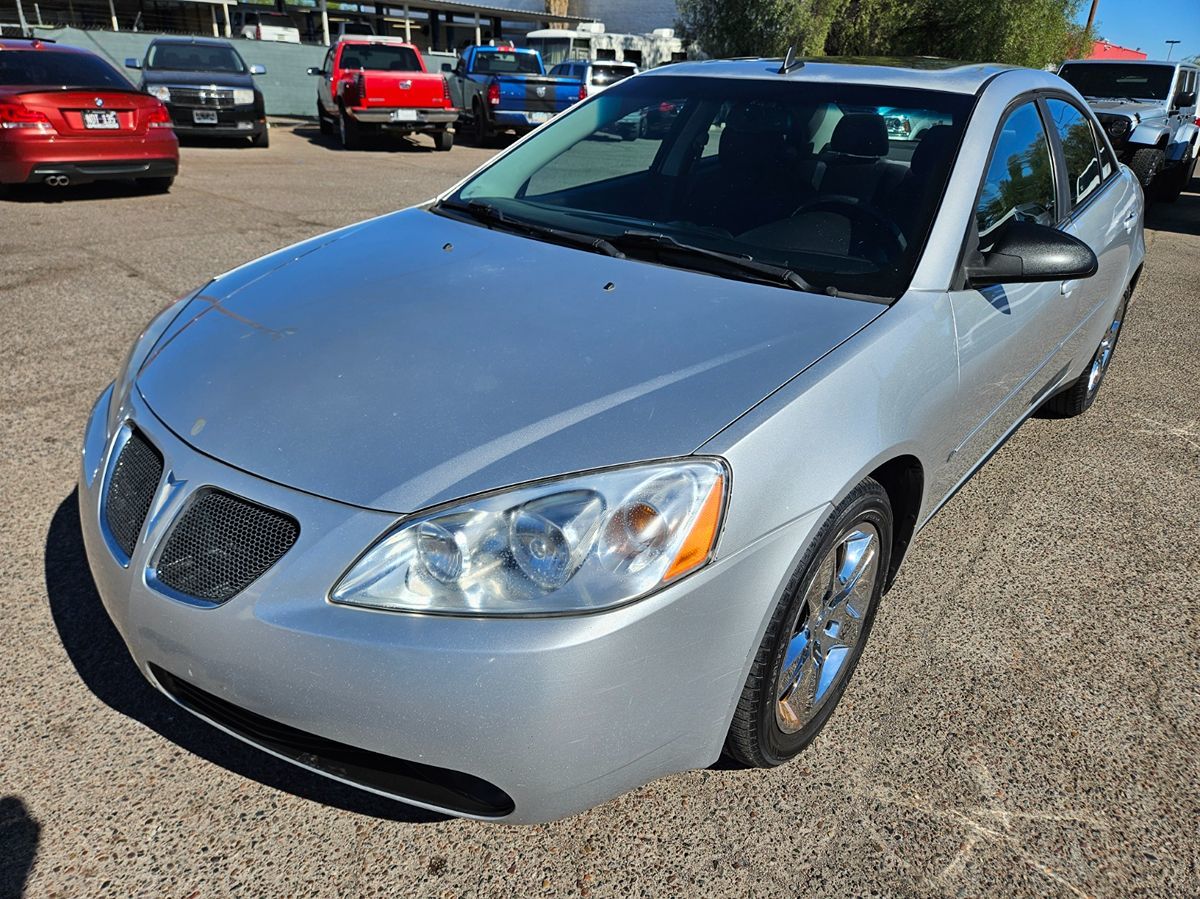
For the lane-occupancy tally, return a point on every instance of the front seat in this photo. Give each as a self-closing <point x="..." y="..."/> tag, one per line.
<point x="851" y="165"/>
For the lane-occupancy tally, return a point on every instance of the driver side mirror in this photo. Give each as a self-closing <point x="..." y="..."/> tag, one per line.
<point x="258" y="70"/>
<point x="1026" y="252"/>
<point x="131" y="63"/>
<point x="313" y="70"/>
<point x="1184" y="99"/>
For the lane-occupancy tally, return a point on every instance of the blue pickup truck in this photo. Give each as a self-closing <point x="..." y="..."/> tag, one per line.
<point x="501" y="89"/>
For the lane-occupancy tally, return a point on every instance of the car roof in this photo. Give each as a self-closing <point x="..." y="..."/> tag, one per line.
<point x="361" y="39"/>
<point x="927" y="73"/>
<point x="25" y="43"/>
<point x="201" y="41"/>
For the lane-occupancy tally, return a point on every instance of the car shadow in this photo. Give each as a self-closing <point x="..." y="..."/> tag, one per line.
<point x="74" y="193"/>
<point x="371" y="143"/>
<point x="19" y="832"/>
<point x="1182" y="216"/>
<point x="106" y="668"/>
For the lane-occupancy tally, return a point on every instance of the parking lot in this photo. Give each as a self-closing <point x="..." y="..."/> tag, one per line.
<point x="1025" y="720"/>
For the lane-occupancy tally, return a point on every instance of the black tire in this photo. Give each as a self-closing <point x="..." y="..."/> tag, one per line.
<point x="443" y="140"/>
<point x="1078" y="397"/>
<point x="482" y="131"/>
<point x="1146" y="164"/>
<point x="262" y="139"/>
<point x="323" y="121"/>
<point x="349" y="134"/>
<point x="155" y="185"/>
<point x="755" y="736"/>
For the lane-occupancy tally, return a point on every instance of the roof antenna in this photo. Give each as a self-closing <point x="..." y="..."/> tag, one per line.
<point x="790" y="62"/>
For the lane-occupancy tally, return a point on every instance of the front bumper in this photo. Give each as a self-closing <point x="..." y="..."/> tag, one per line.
<point x="558" y="714"/>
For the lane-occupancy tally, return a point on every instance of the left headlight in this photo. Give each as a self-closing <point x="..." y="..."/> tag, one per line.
<point x="137" y="356"/>
<point x="242" y="96"/>
<point x="571" y="545"/>
<point x="161" y="91"/>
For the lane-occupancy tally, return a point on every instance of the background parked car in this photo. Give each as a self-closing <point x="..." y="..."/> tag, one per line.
<point x="98" y="127"/>
<point x="372" y="83"/>
<point x="339" y="30"/>
<point x="266" y="26"/>
<point x="1148" y="109"/>
<point x="595" y="74"/>
<point x="207" y="87"/>
<point x="440" y="60"/>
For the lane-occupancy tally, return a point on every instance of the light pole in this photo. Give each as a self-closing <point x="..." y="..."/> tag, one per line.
<point x="1170" y="47"/>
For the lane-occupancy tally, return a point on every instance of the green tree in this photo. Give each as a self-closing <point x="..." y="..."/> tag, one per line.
<point x="724" y="28"/>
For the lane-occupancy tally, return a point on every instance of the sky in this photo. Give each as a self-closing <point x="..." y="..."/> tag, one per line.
<point x="1146" y="24"/>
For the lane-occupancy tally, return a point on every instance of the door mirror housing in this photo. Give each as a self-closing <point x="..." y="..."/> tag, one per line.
<point x="1026" y="252"/>
<point x="131" y="63"/>
<point x="313" y="70"/>
<point x="258" y="69"/>
<point x="1184" y="99"/>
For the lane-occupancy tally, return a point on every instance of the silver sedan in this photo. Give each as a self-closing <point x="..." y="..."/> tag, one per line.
<point x="597" y="466"/>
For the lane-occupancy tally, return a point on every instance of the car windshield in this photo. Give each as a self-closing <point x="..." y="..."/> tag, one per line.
<point x="47" y="67"/>
<point x="1114" y="80"/>
<point x="502" y="63"/>
<point x="194" y="58"/>
<point x="802" y="176"/>
<point x="380" y="58"/>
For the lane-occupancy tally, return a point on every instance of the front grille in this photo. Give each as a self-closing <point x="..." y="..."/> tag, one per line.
<point x="221" y="544"/>
<point x="131" y="489"/>
<point x="205" y="97"/>
<point x="440" y="787"/>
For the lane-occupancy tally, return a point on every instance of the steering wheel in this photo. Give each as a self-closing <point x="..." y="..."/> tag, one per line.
<point x="856" y="210"/>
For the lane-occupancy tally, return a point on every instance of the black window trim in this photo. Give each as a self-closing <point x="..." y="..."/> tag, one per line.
<point x="1060" y="159"/>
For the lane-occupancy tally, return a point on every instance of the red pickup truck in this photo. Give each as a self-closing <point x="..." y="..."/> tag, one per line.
<point x="371" y="83"/>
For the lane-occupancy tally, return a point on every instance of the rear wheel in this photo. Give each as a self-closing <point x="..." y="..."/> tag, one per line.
<point x="1146" y="164"/>
<point x="155" y="185"/>
<point x="817" y="633"/>
<point x="348" y="132"/>
<point x="1078" y="398"/>
<point x="443" y="139"/>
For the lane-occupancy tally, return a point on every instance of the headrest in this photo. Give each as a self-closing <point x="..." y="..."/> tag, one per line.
<point x="860" y="134"/>
<point x="933" y="147"/>
<point x="755" y="134"/>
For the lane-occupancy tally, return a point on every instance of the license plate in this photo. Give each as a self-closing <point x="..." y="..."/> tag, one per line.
<point x="537" y="118"/>
<point x="204" y="116"/>
<point x="103" y="119"/>
<point x="404" y="115"/>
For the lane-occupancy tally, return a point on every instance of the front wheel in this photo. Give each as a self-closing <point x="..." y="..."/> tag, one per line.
<point x="262" y="139"/>
<point x="1146" y="164"/>
<point x="816" y="634"/>
<point x="323" y="122"/>
<point x="483" y="134"/>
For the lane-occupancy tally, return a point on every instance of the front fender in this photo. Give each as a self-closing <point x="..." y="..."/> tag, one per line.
<point x="1149" y="134"/>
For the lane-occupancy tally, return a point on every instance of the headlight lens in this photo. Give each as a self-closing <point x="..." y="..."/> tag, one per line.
<point x="578" y="544"/>
<point x="243" y="96"/>
<point x="137" y="356"/>
<point x="1118" y="127"/>
<point x="159" y="90"/>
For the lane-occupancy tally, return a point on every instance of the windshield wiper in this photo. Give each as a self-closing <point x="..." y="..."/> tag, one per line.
<point x="491" y="215"/>
<point x="745" y="265"/>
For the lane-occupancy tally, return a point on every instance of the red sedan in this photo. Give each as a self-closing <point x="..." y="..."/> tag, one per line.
<point x="69" y="117"/>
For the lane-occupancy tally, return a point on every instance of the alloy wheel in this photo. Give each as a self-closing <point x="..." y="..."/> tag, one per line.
<point x="828" y="627"/>
<point x="1104" y="352"/>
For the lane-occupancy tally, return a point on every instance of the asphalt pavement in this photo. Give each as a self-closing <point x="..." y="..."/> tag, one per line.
<point x="1024" y="721"/>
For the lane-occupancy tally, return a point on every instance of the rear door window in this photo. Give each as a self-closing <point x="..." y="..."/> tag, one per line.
<point x="1084" y="171"/>
<point x="1019" y="184"/>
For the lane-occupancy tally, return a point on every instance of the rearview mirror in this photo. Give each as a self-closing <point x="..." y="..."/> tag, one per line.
<point x="1026" y="252"/>
<point x="131" y="63"/>
<point x="1185" y="98"/>
<point x="258" y="70"/>
<point x="313" y="70"/>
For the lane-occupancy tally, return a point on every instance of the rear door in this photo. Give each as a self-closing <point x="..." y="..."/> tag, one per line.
<point x="1009" y="335"/>
<point x="1103" y="213"/>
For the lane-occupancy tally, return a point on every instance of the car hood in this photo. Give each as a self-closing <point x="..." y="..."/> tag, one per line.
<point x="1141" y="108"/>
<point x="415" y="359"/>
<point x="199" y="79"/>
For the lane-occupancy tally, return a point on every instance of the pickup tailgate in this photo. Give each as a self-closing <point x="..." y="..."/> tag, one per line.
<point x="415" y="90"/>
<point x="537" y="93"/>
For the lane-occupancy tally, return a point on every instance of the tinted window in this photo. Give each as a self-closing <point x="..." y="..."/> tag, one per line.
<point x="46" y="67"/>
<point x="194" y="58"/>
<point x="1079" y="147"/>
<point x="380" y="58"/>
<point x="1113" y="79"/>
<point x="602" y="74"/>
<point x="799" y="174"/>
<point x="1020" y="178"/>
<point x="502" y="63"/>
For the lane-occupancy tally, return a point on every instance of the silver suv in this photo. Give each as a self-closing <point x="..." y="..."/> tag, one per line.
<point x="1148" y="109"/>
